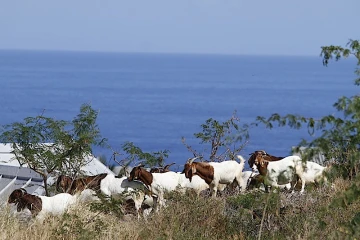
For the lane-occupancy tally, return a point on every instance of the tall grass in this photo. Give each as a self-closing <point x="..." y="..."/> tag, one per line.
<point x="321" y="213"/>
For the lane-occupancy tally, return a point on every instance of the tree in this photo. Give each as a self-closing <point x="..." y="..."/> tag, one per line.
<point x="134" y="155"/>
<point x="45" y="144"/>
<point x="340" y="138"/>
<point x="225" y="139"/>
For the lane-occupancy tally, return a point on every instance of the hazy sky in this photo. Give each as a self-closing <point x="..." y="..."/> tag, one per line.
<point x="179" y="26"/>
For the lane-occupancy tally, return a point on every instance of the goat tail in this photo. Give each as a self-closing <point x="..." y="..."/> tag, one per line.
<point x="242" y="160"/>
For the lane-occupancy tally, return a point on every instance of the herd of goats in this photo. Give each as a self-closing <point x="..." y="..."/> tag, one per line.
<point x="148" y="187"/>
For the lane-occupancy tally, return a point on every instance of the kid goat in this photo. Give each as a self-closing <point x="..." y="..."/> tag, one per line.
<point x="216" y="173"/>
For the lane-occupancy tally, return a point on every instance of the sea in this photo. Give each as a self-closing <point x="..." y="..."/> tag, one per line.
<point x="153" y="100"/>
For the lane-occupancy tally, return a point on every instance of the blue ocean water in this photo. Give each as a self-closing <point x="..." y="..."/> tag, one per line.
<point x="155" y="99"/>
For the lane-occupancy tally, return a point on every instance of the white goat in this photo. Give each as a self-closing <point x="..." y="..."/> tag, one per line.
<point x="40" y="206"/>
<point x="310" y="172"/>
<point x="215" y="173"/>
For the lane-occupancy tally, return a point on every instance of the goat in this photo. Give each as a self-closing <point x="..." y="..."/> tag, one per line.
<point x="68" y="185"/>
<point x="158" y="183"/>
<point x="279" y="172"/>
<point x="215" y="173"/>
<point x="161" y="169"/>
<point x="40" y="206"/>
<point x="253" y="155"/>
<point x="311" y="172"/>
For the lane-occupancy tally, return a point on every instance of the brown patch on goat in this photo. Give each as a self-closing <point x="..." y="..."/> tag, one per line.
<point x="71" y="186"/>
<point x="202" y="169"/>
<point x="139" y="173"/>
<point x="24" y="200"/>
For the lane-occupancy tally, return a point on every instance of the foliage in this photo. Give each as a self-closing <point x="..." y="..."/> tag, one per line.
<point x="73" y="226"/>
<point x="226" y="139"/>
<point x="135" y="155"/>
<point x="46" y="144"/>
<point x="339" y="139"/>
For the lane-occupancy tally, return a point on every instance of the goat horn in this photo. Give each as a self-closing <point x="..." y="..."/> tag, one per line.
<point x="192" y="159"/>
<point x="141" y="164"/>
<point x="170" y="164"/>
<point x="23" y="190"/>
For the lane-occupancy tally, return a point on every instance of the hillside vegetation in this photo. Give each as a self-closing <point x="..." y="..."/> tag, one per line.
<point x="321" y="213"/>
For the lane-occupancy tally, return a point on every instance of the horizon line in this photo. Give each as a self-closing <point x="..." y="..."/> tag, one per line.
<point x="159" y="53"/>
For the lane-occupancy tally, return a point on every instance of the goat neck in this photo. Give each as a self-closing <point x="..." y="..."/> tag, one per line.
<point x="262" y="168"/>
<point x="144" y="176"/>
<point x="204" y="170"/>
<point x="33" y="203"/>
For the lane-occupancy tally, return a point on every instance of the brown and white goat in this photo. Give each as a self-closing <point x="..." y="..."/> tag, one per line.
<point x="40" y="206"/>
<point x="216" y="173"/>
<point x="67" y="184"/>
<point x="278" y="173"/>
<point x="158" y="183"/>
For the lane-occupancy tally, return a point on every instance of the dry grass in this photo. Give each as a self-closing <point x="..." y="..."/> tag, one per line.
<point x="314" y="215"/>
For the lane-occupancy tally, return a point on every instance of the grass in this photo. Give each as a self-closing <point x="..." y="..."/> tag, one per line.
<point x="321" y="213"/>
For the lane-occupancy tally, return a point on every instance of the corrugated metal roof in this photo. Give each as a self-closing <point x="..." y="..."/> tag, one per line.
<point x="13" y="176"/>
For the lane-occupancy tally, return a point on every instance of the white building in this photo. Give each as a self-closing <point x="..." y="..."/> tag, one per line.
<point x="13" y="176"/>
<point x="318" y="158"/>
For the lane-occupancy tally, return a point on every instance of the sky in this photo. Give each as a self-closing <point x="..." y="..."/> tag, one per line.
<point x="246" y="27"/>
